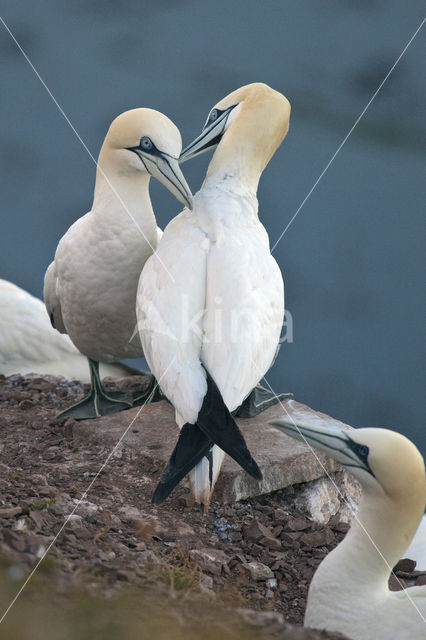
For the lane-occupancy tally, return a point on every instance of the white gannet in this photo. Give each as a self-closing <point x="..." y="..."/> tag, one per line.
<point x="90" y="287"/>
<point x="211" y="333"/>
<point x="349" y="591"/>
<point x="29" y="344"/>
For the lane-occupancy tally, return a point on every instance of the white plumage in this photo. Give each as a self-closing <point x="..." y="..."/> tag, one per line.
<point x="29" y="344"/>
<point x="90" y="287"/>
<point x="211" y="297"/>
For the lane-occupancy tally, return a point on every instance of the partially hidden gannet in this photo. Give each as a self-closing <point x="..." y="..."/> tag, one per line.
<point x="349" y="591"/>
<point x="90" y="287"/>
<point x="29" y="344"/>
<point x="210" y="332"/>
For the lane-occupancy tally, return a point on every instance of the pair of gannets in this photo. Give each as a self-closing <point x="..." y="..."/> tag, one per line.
<point x="349" y="591"/>
<point x="90" y="287"/>
<point x="210" y="301"/>
<point x="29" y="344"/>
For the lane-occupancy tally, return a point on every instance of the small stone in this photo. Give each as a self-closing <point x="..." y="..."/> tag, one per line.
<point x="258" y="571"/>
<point x="74" y="521"/>
<point x="183" y="529"/>
<point x="129" y="514"/>
<point x="148" y="557"/>
<point x="272" y="583"/>
<point x="396" y="584"/>
<point x="405" y="565"/>
<point x="10" y="512"/>
<point x="298" y="524"/>
<point x="255" y="530"/>
<point x="210" y="560"/>
<point x="318" y="538"/>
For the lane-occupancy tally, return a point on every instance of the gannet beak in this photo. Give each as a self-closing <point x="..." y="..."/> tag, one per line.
<point x="166" y="169"/>
<point x="208" y="138"/>
<point x="336" y="443"/>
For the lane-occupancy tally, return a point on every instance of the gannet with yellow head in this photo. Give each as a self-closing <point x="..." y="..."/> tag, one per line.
<point x="349" y="591"/>
<point x="210" y="332"/>
<point x="90" y="287"/>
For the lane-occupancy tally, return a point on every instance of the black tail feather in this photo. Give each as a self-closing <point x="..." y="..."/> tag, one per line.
<point x="215" y="425"/>
<point x="190" y="449"/>
<point x="218" y="424"/>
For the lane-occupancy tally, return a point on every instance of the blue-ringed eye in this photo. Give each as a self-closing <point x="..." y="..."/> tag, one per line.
<point x="213" y="115"/>
<point x="361" y="450"/>
<point x="145" y="144"/>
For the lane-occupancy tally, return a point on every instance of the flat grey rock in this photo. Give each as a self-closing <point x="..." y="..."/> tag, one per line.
<point x="152" y="432"/>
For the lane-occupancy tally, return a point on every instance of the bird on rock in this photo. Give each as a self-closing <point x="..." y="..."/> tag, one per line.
<point x="90" y="287"/>
<point x="211" y="331"/>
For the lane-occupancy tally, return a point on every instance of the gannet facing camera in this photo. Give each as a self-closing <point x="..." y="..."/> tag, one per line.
<point x="211" y="331"/>
<point x="349" y="591"/>
<point x="90" y="287"/>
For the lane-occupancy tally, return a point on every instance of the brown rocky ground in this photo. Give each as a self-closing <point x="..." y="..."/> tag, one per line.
<point x="119" y="567"/>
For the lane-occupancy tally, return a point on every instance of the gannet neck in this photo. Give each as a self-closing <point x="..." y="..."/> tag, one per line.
<point x="254" y="133"/>
<point x="378" y="538"/>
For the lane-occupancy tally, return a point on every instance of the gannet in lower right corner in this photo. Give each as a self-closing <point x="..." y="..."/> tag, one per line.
<point x="349" y="591"/>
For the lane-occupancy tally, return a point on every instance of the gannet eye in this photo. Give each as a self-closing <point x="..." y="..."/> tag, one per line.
<point x="213" y="115"/>
<point x="361" y="450"/>
<point x="145" y="144"/>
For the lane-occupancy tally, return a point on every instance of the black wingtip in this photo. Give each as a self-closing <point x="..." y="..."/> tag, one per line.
<point x="190" y="448"/>
<point x="216" y="421"/>
<point x="215" y="425"/>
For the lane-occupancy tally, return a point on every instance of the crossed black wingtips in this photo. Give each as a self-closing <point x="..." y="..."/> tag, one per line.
<point x="215" y="425"/>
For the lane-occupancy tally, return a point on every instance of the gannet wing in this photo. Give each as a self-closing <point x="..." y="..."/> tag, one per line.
<point x="52" y="300"/>
<point x="251" y="315"/>
<point x="170" y="306"/>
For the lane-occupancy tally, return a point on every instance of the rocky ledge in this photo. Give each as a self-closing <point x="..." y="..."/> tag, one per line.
<point x="116" y="561"/>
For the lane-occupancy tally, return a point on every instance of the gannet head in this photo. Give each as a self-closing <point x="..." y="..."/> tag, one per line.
<point x="144" y="140"/>
<point x="251" y="121"/>
<point x="380" y="459"/>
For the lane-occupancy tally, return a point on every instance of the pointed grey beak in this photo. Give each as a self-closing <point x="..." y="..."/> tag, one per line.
<point x="208" y="139"/>
<point x="166" y="169"/>
<point x="335" y="442"/>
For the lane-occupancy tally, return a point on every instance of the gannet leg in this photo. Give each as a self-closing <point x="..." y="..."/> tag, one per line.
<point x="99" y="402"/>
<point x="259" y="400"/>
<point x="151" y="393"/>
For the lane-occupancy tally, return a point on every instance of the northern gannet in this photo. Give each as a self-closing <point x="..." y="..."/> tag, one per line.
<point x="29" y="344"/>
<point x="211" y="332"/>
<point x="90" y="287"/>
<point x="349" y="591"/>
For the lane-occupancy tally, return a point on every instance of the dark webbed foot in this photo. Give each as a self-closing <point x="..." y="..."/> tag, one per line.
<point x="259" y="400"/>
<point x="95" y="405"/>
<point x="99" y="402"/>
